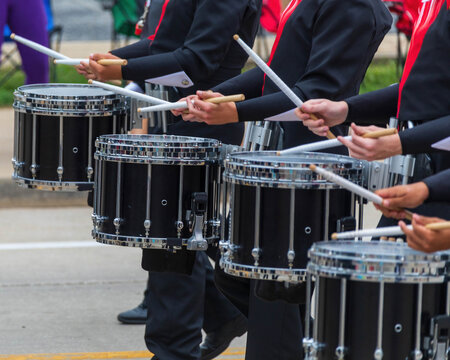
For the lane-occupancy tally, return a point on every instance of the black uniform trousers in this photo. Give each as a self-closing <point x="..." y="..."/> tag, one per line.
<point x="180" y="305"/>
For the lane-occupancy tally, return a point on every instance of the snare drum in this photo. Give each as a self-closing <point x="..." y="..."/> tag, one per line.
<point x="378" y="300"/>
<point x="156" y="191"/>
<point x="55" y="128"/>
<point x="279" y="207"/>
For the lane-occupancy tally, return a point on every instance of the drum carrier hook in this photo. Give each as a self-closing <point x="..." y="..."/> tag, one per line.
<point x="199" y="202"/>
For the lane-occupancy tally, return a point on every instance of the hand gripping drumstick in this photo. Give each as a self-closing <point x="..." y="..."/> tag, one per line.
<point x="184" y="105"/>
<point x="104" y="62"/>
<point x="386" y="231"/>
<point x="132" y="94"/>
<point x="325" y="144"/>
<point x="359" y="190"/>
<point x="38" y="47"/>
<point x="275" y="78"/>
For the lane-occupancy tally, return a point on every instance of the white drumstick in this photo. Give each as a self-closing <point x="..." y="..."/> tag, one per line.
<point x="38" y="47"/>
<point x="315" y="146"/>
<point x="359" y="190"/>
<point x="385" y="231"/>
<point x="274" y="77"/>
<point x="132" y="94"/>
<point x="184" y="105"/>
<point x="270" y="73"/>
<point x="75" y="62"/>
<point x="325" y="144"/>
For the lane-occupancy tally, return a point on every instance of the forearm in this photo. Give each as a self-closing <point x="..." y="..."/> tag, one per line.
<point x="439" y="186"/>
<point x="151" y="66"/>
<point x="249" y="83"/>
<point x="135" y="50"/>
<point x="375" y="107"/>
<point x="420" y="138"/>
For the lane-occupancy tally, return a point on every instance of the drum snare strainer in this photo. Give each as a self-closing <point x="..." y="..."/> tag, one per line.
<point x="377" y="300"/>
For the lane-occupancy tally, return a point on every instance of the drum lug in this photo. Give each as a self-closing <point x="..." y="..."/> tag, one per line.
<point x="89" y="172"/>
<point x="117" y="222"/>
<point x="60" y="172"/>
<point x="256" y="253"/>
<point x="439" y="343"/>
<point x="291" y="257"/>
<point x="312" y="349"/>
<point x="34" y="169"/>
<point x="340" y="352"/>
<point x="147" y="225"/>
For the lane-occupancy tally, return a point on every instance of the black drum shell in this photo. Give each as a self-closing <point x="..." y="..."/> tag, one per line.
<point x="75" y="144"/>
<point x="165" y="181"/>
<point x="275" y="222"/>
<point x="361" y="321"/>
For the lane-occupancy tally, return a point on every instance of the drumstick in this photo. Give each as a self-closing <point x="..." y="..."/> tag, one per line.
<point x="354" y="188"/>
<point x="132" y="94"/>
<point x="386" y="231"/>
<point x="275" y="78"/>
<point x="444" y="225"/>
<point x="38" y="47"/>
<point x="104" y="62"/>
<point x="184" y="105"/>
<point x="326" y="144"/>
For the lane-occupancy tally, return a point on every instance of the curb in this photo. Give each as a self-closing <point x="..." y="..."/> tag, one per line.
<point x="11" y="195"/>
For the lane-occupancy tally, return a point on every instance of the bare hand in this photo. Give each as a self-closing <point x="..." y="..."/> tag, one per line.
<point x="422" y="239"/>
<point x="179" y="112"/>
<point x="402" y="196"/>
<point x="94" y="71"/>
<point x="329" y="114"/>
<point x="211" y="114"/>
<point x="371" y="149"/>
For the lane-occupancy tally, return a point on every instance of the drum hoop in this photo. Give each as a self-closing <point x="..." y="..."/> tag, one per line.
<point x="77" y="113"/>
<point x="135" y="241"/>
<point x="155" y="159"/>
<point x="262" y="273"/>
<point x="66" y="186"/>
<point x="357" y="265"/>
<point x="410" y="277"/>
<point x="108" y="94"/>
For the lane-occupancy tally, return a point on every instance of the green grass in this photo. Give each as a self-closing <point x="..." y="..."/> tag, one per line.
<point x="380" y="74"/>
<point x="65" y="74"/>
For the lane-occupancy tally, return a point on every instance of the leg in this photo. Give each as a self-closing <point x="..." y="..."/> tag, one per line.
<point x="3" y="18"/>
<point x="28" y="19"/>
<point x="274" y="330"/>
<point x="175" y="319"/>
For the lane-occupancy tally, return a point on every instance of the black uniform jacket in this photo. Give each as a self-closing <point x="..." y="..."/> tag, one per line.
<point x="424" y="91"/>
<point x="323" y="50"/>
<point x="439" y="186"/>
<point x="194" y="36"/>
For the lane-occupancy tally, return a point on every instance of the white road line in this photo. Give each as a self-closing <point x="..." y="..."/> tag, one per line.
<point x="49" y="245"/>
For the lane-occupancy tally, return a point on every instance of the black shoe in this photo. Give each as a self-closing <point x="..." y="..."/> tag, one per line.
<point x="217" y="341"/>
<point x="138" y="315"/>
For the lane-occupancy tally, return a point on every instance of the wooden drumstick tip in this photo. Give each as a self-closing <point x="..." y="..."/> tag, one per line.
<point x="139" y="110"/>
<point x="334" y="236"/>
<point x="236" y="37"/>
<point x="90" y="81"/>
<point x="312" y="167"/>
<point x="278" y="153"/>
<point x="54" y="61"/>
<point x="12" y="36"/>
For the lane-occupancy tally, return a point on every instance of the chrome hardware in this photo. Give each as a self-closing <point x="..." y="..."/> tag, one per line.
<point x="117" y="222"/>
<point x="340" y="350"/>
<point x="34" y="166"/>
<point x="327" y="214"/>
<point x="180" y="202"/>
<point x="256" y="253"/>
<point x="291" y="252"/>
<point x="308" y="230"/>
<point x="418" y="355"/>
<point x="376" y="175"/>
<point x="179" y="225"/>
<point x="402" y="165"/>
<point x="75" y="150"/>
<point x="147" y="222"/>
<point x="291" y="257"/>
<point x="439" y="342"/>
<point x="398" y="328"/>
<point x="198" y="207"/>
<point x="163" y="202"/>
<point x="260" y="135"/>
<point x="417" y="352"/>
<point x="378" y="355"/>
<point x="89" y="170"/>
